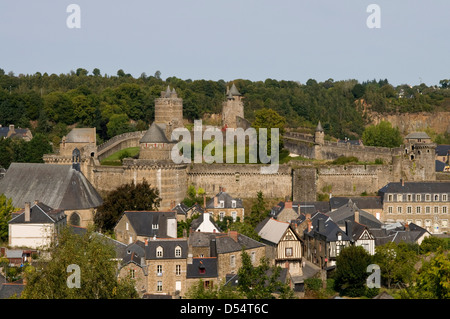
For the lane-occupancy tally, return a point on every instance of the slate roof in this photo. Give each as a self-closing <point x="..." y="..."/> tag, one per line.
<point x="58" y="186"/>
<point x="363" y="202"/>
<point x="142" y="222"/>
<point x="416" y="187"/>
<point x="133" y="253"/>
<point x="18" y="132"/>
<point x="234" y="91"/>
<point x="397" y="233"/>
<point x="81" y="135"/>
<point x="39" y="214"/>
<point x="305" y="207"/>
<point x="168" y="246"/>
<point x="330" y="229"/>
<point x="199" y="220"/>
<point x="223" y="196"/>
<point x="8" y="290"/>
<point x="439" y="166"/>
<point x="208" y="264"/>
<point x="442" y="149"/>
<point x="155" y="134"/>
<point x="416" y="135"/>
<point x="347" y="212"/>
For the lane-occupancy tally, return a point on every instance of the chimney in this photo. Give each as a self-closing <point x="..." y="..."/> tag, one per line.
<point x="172" y="204"/>
<point x="321" y="225"/>
<point x="11" y="129"/>
<point x="146" y="241"/>
<point x="27" y="211"/>
<point x="349" y="228"/>
<point x="308" y="222"/>
<point x="189" y="259"/>
<point x="233" y="234"/>
<point x="402" y="181"/>
<point x="357" y="216"/>
<point x="288" y="204"/>
<point x="406" y="226"/>
<point x="216" y="202"/>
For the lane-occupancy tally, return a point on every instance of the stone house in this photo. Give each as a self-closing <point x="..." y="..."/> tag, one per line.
<point x="202" y="268"/>
<point x="12" y="132"/>
<point x="142" y="225"/>
<point x="425" y="204"/>
<point x="62" y="187"/>
<point x="35" y="226"/>
<point x="370" y="204"/>
<point x="222" y="205"/>
<point x="285" y="211"/>
<point x="133" y="265"/>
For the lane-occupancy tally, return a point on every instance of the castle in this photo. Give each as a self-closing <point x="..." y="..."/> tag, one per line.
<point x="413" y="162"/>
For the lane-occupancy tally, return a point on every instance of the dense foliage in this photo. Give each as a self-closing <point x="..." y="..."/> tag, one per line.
<point x="118" y="103"/>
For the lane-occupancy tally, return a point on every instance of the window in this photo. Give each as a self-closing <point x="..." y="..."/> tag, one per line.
<point x="126" y="226"/>
<point x="418" y="197"/>
<point x="177" y="270"/>
<point x="399" y="197"/>
<point x="234" y="216"/>
<point x="409" y="197"/>
<point x="418" y="210"/>
<point x="159" y="286"/>
<point x="233" y="261"/>
<point x="221" y="216"/>
<point x="436" y="209"/>
<point x="409" y="210"/>
<point x="390" y="197"/>
<point x="427" y="210"/>
<point x="178" y="251"/>
<point x="427" y="222"/>
<point x="444" y="197"/>
<point x="233" y="204"/>
<point x="390" y="210"/>
<point x="419" y="222"/>
<point x="399" y="209"/>
<point x="159" y="252"/>
<point x="289" y="252"/>
<point x="444" y="223"/>
<point x="444" y="209"/>
<point x="253" y="256"/>
<point x="159" y="270"/>
<point x="436" y="197"/>
<point x="427" y="197"/>
<point x="236" y="176"/>
<point x="132" y="273"/>
<point x="221" y="204"/>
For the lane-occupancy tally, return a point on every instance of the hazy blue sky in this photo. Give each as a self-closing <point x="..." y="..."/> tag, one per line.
<point x="249" y="39"/>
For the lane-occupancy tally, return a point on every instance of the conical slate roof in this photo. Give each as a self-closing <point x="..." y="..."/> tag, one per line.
<point x="155" y="134"/>
<point x="319" y="127"/>
<point x="234" y="91"/>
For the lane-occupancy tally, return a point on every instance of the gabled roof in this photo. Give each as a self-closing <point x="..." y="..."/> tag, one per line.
<point x="81" y="135"/>
<point x="363" y="202"/>
<point x="325" y="226"/>
<point x="416" y="135"/>
<point x="58" y="186"/>
<point x="226" y="244"/>
<point x="39" y="214"/>
<point x="155" y="134"/>
<point x="416" y="187"/>
<point x="347" y="212"/>
<point x="271" y="230"/>
<point x="195" y="224"/>
<point x="144" y="222"/>
<point x="8" y="290"/>
<point x="442" y="149"/>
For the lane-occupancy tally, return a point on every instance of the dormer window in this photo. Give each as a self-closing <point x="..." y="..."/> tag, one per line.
<point x="155" y="226"/>
<point x="178" y="251"/>
<point x="201" y="268"/>
<point x="222" y="204"/>
<point x="339" y="236"/>
<point x="233" y="204"/>
<point x="159" y="252"/>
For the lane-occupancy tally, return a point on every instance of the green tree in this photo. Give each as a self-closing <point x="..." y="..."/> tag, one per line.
<point x="118" y="124"/>
<point x="351" y="271"/>
<point x="261" y="282"/>
<point x="269" y="119"/>
<point x="129" y="196"/>
<point x="6" y="209"/>
<point x="433" y="244"/>
<point x="382" y="134"/>
<point x="96" y="260"/>
<point x="199" y="291"/>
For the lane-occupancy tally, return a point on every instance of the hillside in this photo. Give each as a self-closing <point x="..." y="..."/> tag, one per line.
<point x="52" y="104"/>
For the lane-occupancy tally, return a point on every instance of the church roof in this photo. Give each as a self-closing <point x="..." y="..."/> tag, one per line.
<point x="155" y="134"/>
<point x="58" y="186"/>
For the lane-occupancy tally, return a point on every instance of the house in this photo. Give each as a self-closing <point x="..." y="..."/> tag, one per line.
<point x="443" y="153"/>
<point x="142" y="225"/>
<point x="35" y="226"/>
<point x="285" y="211"/>
<point x="425" y="204"/>
<point x="400" y="232"/>
<point x="370" y="204"/>
<point x="351" y="211"/>
<point x="324" y="240"/>
<point x="283" y="245"/>
<point x="205" y="223"/>
<point x="223" y="205"/>
<point x="361" y="235"/>
<point x="12" y="132"/>
<point x="133" y="265"/>
<point x="202" y="268"/>
<point x="83" y="139"/>
<point x="61" y="187"/>
<point x="417" y="137"/>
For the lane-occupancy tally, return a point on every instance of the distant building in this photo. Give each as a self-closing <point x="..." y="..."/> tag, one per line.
<point x="12" y="132"/>
<point x="222" y="205"/>
<point x="425" y="204"/>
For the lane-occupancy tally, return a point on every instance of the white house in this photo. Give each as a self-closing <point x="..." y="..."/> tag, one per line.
<point x="205" y="223"/>
<point x="35" y="226"/>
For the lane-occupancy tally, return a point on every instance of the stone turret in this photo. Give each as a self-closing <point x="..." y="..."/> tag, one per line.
<point x="169" y="111"/>
<point x="319" y="135"/>
<point x="232" y="108"/>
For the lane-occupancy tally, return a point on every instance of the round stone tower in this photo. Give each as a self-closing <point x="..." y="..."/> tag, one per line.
<point x="232" y="108"/>
<point x="169" y="111"/>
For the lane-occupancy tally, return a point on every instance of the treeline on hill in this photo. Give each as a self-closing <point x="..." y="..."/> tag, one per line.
<point x="114" y="104"/>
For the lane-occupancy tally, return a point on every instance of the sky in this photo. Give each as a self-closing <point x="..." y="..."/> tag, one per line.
<point x="233" y="39"/>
